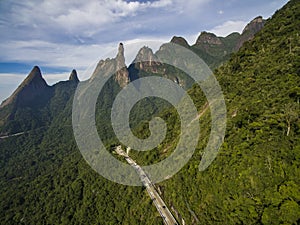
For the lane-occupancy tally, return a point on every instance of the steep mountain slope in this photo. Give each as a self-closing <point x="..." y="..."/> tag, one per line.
<point x="255" y="178"/>
<point x="32" y="87"/>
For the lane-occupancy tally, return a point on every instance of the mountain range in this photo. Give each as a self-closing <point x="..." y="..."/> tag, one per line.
<point x="35" y="93"/>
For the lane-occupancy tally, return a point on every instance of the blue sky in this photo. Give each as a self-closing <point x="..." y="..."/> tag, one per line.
<point x="62" y="35"/>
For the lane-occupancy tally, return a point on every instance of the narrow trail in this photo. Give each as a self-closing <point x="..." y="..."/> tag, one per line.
<point x="12" y="135"/>
<point x="21" y="133"/>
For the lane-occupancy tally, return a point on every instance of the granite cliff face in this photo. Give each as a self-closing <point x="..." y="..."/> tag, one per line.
<point x="250" y="30"/>
<point x="146" y="60"/>
<point x="122" y="76"/>
<point x="147" y="63"/>
<point x="255" y="25"/>
<point x="108" y="66"/>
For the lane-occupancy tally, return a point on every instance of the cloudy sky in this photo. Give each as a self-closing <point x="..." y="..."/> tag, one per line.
<point x="61" y="35"/>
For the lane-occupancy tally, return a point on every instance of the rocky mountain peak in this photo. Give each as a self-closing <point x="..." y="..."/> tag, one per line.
<point x="145" y="54"/>
<point x="109" y="66"/>
<point x="180" y="41"/>
<point x="122" y="76"/>
<point x="35" y="78"/>
<point x="73" y="76"/>
<point x="120" y="57"/>
<point x="33" y="86"/>
<point x="146" y="60"/>
<point x="208" y="38"/>
<point x="121" y="50"/>
<point x="255" y="25"/>
<point x="250" y="30"/>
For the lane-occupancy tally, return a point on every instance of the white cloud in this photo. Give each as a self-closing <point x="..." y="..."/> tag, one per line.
<point x="75" y="15"/>
<point x="52" y="78"/>
<point x="161" y="3"/>
<point x="53" y="54"/>
<point x="9" y="83"/>
<point x="9" y="78"/>
<point x="72" y="56"/>
<point x="92" y="21"/>
<point x="191" y="7"/>
<point x="228" y="27"/>
<point x="85" y="17"/>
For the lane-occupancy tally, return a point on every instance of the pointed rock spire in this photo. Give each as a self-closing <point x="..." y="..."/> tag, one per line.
<point x="33" y="85"/>
<point x="108" y="66"/>
<point x="122" y="76"/>
<point x="34" y="78"/>
<point x="121" y="50"/>
<point x="73" y="76"/>
<point x="120" y="57"/>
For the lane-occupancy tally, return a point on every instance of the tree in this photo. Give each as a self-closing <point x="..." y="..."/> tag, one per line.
<point x="291" y="114"/>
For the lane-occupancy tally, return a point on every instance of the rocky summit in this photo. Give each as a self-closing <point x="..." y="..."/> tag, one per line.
<point x="122" y="75"/>
<point x="32" y="87"/>
<point x="116" y="66"/>
<point x="73" y="76"/>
